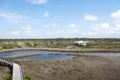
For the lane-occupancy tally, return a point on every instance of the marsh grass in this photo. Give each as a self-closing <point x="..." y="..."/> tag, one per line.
<point x="81" y="68"/>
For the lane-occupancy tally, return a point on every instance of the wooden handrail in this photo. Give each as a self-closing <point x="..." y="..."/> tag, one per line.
<point x="17" y="69"/>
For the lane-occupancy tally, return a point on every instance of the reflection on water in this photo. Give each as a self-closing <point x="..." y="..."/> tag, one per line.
<point x="45" y="54"/>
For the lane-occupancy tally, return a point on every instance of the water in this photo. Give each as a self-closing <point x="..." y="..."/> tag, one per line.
<point x="102" y="54"/>
<point x="45" y="54"/>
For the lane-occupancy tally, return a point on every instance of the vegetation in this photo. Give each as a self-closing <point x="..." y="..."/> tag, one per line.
<point x="80" y="68"/>
<point x="27" y="77"/>
<point x="8" y="75"/>
<point x="66" y="43"/>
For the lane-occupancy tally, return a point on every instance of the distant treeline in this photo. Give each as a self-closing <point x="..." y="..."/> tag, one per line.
<point x="59" y="43"/>
<point x="115" y="39"/>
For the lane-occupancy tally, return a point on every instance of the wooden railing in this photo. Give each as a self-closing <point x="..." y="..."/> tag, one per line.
<point x="15" y="66"/>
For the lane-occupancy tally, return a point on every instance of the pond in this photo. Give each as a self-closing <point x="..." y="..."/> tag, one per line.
<point x="46" y="54"/>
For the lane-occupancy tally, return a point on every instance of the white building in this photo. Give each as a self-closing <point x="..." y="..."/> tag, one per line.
<point x="82" y="43"/>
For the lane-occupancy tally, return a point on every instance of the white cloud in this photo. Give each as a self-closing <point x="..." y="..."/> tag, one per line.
<point x="105" y="25"/>
<point x="72" y="26"/>
<point x="117" y="23"/>
<point x="90" y="17"/>
<point x="12" y="16"/>
<point x="101" y="27"/>
<point x="46" y="14"/>
<point x="37" y="1"/>
<point x="46" y="26"/>
<point x="16" y="33"/>
<point x="55" y="25"/>
<point x="104" y="30"/>
<point x="27" y="29"/>
<point x="22" y="30"/>
<point x="116" y="14"/>
<point x="50" y="26"/>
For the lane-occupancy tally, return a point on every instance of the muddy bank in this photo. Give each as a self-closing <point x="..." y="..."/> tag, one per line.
<point x="80" y="68"/>
<point x="23" y="56"/>
<point x="66" y="50"/>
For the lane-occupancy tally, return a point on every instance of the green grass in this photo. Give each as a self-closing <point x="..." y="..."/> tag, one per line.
<point x="27" y="77"/>
<point x="8" y="75"/>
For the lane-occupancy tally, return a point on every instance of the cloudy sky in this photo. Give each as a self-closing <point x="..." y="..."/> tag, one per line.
<point x="59" y="18"/>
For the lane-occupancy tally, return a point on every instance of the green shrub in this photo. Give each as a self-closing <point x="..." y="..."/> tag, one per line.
<point x="7" y="77"/>
<point x="27" y="77"/>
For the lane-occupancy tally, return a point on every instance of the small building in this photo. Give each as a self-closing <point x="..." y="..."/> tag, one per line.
<point x="82" y="43"/>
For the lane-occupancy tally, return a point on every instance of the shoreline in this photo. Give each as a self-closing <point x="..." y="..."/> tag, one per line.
<point x="23" y="56"/>
<point x="67" y="50"/>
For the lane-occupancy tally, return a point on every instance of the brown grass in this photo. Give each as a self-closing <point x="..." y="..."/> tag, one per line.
<point x="81" y="68"/>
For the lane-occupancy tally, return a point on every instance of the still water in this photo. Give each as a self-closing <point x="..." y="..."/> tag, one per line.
<point x="45" y="54"/>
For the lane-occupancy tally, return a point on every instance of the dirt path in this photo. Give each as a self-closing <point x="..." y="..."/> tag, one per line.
<point x="81" y="68"/>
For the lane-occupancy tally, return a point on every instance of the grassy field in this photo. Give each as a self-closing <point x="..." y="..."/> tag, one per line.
<point x="80" y="68"/>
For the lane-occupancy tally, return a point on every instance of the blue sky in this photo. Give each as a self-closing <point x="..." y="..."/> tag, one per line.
<point x="59" y="18"/>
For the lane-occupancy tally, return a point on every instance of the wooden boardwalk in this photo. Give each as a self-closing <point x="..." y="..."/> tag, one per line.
<point x="17" y="71"/>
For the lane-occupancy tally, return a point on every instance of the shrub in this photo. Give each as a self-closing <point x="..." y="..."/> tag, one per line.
<point x="27" y="77"/>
